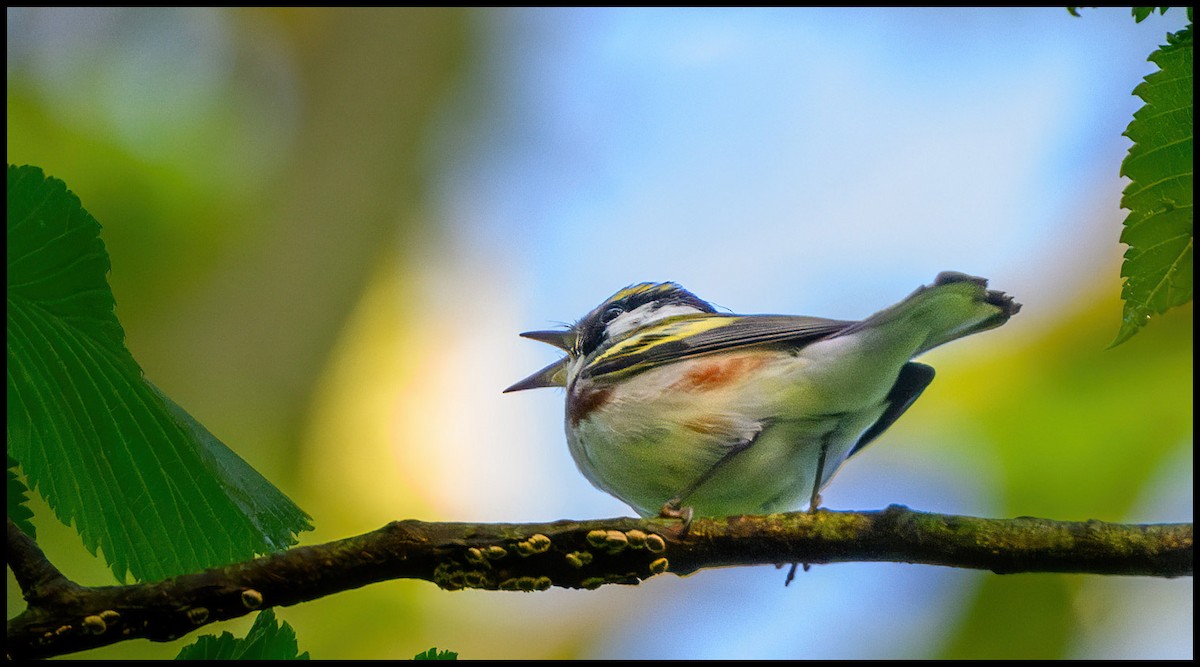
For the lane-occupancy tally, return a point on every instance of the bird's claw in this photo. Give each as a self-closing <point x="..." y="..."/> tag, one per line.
<point x="672" y="510"/>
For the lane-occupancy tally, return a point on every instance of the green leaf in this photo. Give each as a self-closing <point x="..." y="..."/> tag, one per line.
<point x="137" y="476"/>
<point x="267" y="640"/>
<point x="21" y="515"/>
<point x="434" y="654"/>
<point x="1141" y="13"/>
<point x="1158" y="229"/>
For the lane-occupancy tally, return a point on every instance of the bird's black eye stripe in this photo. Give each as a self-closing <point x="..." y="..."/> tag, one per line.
<point x="593" y="330"/>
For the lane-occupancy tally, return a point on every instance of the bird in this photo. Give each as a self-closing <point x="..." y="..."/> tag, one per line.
<point x="680" y="411"/>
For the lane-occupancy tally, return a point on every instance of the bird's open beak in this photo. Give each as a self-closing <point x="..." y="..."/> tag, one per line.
<point x="554" y="375"/>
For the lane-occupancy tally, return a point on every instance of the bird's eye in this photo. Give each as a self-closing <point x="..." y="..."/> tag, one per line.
<point x="611" y="314"/>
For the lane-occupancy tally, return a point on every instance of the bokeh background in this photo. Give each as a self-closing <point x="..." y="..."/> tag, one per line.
<point x="328" y="226"/>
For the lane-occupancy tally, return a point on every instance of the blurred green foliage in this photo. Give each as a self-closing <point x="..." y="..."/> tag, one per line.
<point x="243" y="227"/>
<point x="1081" y="432"/>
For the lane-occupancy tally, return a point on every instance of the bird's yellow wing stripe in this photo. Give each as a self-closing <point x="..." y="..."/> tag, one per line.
<point x="688" y="336"/>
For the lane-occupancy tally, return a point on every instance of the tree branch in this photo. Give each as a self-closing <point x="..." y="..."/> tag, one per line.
<point x="35" y="574"/>
<point x="579" y="554"/>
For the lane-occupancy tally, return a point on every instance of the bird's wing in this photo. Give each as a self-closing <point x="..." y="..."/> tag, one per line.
<point x="913" y="379"/>
<point x="689" y="336"/>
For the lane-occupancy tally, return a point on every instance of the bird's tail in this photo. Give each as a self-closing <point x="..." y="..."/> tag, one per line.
<point x="955" y="305"/>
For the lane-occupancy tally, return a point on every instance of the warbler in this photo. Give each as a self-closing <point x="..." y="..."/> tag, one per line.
<point x="679" y="410"/>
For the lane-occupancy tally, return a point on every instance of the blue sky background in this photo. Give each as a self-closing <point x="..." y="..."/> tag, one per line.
<point x="861" y="148"/>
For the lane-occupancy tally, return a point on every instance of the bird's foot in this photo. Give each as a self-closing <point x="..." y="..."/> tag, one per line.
<point x="672" y="510"/>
